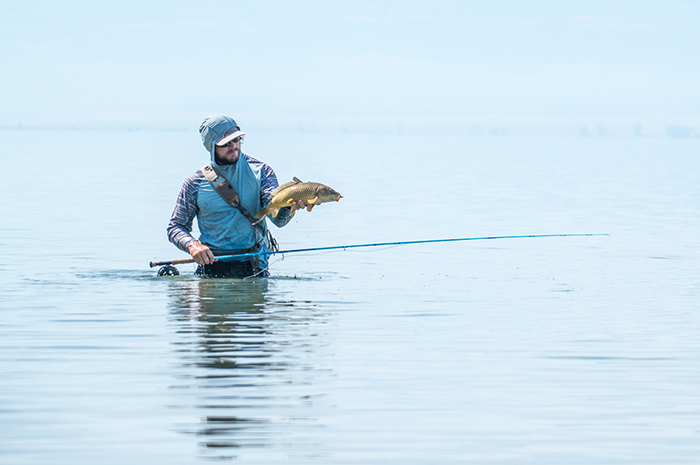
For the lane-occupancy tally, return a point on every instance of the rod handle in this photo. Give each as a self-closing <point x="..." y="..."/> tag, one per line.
<point x="179" y="261"/>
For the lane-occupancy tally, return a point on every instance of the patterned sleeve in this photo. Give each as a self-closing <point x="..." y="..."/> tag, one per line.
<point x="268" y="184"/>
<point x="180" y="225"/>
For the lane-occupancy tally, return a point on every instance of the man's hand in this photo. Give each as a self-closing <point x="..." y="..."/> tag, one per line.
<point x="303" y="205"/>
<point x="201" y="254"/>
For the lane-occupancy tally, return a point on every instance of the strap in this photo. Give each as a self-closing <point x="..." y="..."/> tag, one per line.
<point x="230" y="196"/>
<point x="221" y="185"/>
<point x="228" y="193"/>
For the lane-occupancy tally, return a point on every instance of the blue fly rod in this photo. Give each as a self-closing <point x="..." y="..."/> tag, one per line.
<point x="355" y="246"/>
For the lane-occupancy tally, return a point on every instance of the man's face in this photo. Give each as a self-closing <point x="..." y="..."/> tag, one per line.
<point x="228" y="154"/>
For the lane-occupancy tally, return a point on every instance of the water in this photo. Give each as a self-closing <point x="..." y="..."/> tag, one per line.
<point x="543" y="351"/>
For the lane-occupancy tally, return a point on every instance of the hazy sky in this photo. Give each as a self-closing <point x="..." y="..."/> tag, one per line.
<point x="171" y="62"/>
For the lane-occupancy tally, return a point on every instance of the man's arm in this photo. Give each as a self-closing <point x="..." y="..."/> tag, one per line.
<point x="180" y="225"/>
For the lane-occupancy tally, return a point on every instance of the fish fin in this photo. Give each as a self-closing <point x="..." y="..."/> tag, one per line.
<point x="275" y="211"/>
<point x="295" y="207"/>
<point x="309" y="208"/>
<point x="291" y="202"/>
<point x="297" y="180"/>
<point x="313" y="201"/>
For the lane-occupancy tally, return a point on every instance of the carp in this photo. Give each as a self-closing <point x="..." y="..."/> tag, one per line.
<point x="289" y="194"/>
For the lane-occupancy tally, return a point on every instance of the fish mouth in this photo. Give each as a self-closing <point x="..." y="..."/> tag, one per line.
<point x="338" y="198"/>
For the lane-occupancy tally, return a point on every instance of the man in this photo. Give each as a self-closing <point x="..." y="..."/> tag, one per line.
<point x="225" y="227"/>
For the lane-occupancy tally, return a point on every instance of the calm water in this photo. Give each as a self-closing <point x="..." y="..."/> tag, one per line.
<point x="542" y="351"/>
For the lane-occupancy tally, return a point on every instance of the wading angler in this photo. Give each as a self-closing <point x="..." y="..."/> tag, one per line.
<point x="222" y="196"/>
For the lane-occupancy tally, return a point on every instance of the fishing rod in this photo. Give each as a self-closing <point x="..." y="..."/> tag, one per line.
<point x="354" y="246"/>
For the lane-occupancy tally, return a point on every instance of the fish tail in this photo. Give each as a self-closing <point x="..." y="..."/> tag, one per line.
<point x="262" y="213"/>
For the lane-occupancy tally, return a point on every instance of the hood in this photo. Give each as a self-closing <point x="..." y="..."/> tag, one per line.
<point x="218" y="128"/>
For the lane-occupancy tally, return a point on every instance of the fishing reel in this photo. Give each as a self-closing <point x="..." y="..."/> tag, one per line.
<point x="168" y="270"/>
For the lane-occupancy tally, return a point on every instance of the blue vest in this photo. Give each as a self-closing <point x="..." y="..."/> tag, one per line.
<point x="222" y="227"/>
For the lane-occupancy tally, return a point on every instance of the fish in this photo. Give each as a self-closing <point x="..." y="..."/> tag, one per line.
<point x="290" y="193"/>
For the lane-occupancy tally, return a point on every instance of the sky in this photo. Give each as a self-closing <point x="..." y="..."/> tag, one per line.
<point x="606" y="66"/>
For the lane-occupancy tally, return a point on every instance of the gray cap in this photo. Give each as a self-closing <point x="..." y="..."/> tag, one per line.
<point x="218" y="129"/>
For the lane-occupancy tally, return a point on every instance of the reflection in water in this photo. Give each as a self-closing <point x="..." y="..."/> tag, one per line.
<point x="245" y="359"/>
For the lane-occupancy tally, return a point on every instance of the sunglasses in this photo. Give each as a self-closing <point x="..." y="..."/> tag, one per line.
<point x="232" y="142"/>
